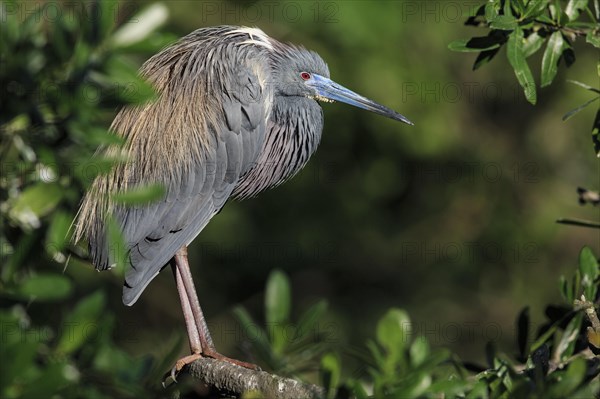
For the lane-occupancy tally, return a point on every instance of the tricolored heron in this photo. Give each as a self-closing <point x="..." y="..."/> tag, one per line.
<point x="237" y="112"/>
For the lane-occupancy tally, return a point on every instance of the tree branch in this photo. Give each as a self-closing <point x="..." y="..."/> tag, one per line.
<point x="231" y="379"/>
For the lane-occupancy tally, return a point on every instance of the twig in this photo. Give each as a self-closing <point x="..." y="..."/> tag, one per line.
<point x="579" y="222"/>
<point x="234" y="380"/>
<point x="593" y="332"/>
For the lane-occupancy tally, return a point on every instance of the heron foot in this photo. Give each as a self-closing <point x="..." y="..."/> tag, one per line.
<point x="171" y="376"/>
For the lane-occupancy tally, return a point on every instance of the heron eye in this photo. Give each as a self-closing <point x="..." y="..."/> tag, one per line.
<point x="305" y="75"/>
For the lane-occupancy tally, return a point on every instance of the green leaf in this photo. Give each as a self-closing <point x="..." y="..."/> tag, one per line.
<point x="118" y="252"/>
<point x="555" y="12"/>
<point x="566" y="289"/>
<point x="474" y="44"/>
<point x="311" y="317"/>
<point x="35" y="202"/>
<point x="46" y="287"/>
<point x="148" y="20"/>
<point x="277" y="298"/>
<point x="504" y="22"/>
<point x="585" y="86"/>
<point x="554" y="50"/>
<point x="535" y="8"/>
<point x="153" y="44"/>
<point x="574" y="111"/>
<point x="574" y="7"/>
<point x="414" y="386"/>
<point x="545" y="19"/>
<point x="108" y="357"/>
<point x="564" y="348"/>
<point x="88" y="169"/>
<point x="581" y="25"/>
<point x="451" y="388"/>
<point x="491" y="11"/>
<point x="277" y="309"/>
<point x="95" y="135"/>
<point x="357" y="388"/>
<point x="516" y="57"/>
<point x="588" y="266"/>
<point x="330" y="373"/>
<point x="518" y="5"/>
<point x="394" y="332"/>
<point x="532" y="44"/>
<point x="103" y="19"/>
<point x="376" y="353"/>
<point x="419" y="350"/>
<point x="593" y="38"/>
<point x="18" y="254"/>
<point x="21" y="354"/>
<point x="82" y="324"/>
<point x="140" y="195"/>
<point x="570" y="380"/>
<point x="125" y="81"/>
<point x="254" y="333"/>
<point x="53" y="377"/>
<point x="58" y="233"/>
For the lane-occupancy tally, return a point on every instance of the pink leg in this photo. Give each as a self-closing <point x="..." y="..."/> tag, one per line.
<point x="201" y="343"/>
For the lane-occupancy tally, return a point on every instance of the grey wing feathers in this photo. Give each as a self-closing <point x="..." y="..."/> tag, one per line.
<point x="199" y="178"/>
<point x="197" y="196"/>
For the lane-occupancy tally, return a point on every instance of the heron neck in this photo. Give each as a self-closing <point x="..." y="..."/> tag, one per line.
<point x="293" y="134"/>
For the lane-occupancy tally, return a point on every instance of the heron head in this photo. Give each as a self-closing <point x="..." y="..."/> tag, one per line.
<point x="300" y="72"/>
<point x="291" y="63"/>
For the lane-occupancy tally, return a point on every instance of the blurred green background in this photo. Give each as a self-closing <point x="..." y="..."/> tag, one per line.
<point x="452" y="219"/>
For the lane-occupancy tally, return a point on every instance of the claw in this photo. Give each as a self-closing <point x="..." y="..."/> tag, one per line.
<point x="179" y="365"/>
<point x="174" y="372"/>
<point x="168" y="380"/>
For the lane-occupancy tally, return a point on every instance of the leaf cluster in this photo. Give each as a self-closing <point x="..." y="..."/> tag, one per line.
<point x="283" y="345"/>
<point x="560" y="360"/>
<point x="524" y="27"/>
<point x="64" y="73"/>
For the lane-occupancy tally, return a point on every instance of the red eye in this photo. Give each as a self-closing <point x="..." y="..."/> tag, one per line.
<point x="305" y="75"/>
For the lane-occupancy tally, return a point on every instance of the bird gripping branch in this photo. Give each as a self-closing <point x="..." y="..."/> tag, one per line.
<point x="237" y="113"/>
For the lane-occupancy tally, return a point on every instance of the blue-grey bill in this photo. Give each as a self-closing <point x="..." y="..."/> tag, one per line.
<point x="328" y="89"/>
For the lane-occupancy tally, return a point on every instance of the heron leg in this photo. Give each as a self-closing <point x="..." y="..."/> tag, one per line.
<point x="190" y="322"/>
<point x="189" y="298"/>
<point x="201" y="343"/>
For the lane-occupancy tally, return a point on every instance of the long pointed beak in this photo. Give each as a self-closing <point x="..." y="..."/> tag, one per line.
<point x="328" y="89"/>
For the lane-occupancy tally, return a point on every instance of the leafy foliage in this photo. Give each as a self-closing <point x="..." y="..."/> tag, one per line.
<point x="285" y="347"/>
<point x="62" y="81"/>
<point x="524" y="26"/>
<point x="558" y="362"/>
